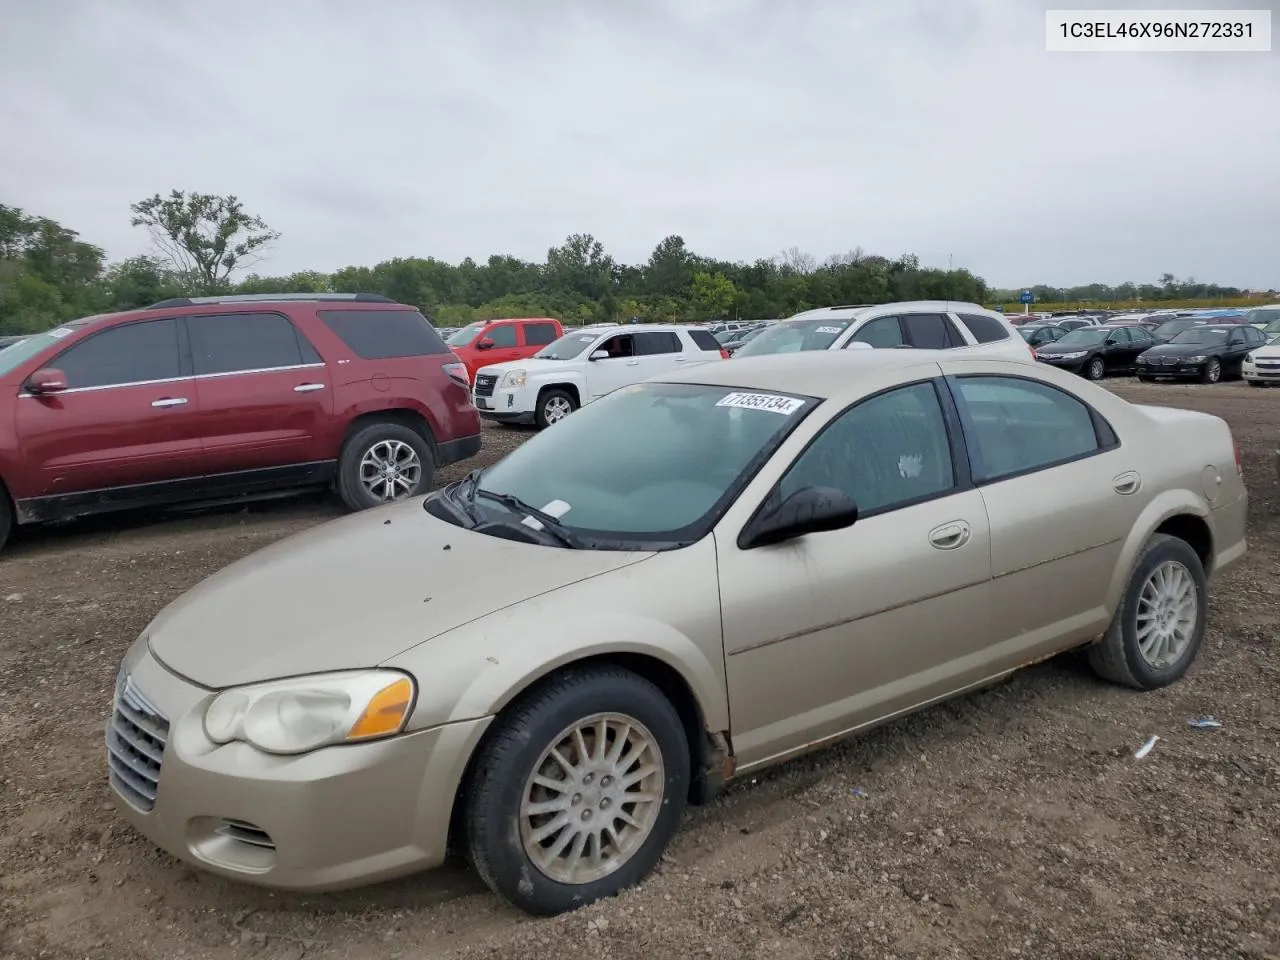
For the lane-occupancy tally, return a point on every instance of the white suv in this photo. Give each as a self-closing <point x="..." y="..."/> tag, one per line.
<point x="923" y="324"/>
<point x="584" y="365"/>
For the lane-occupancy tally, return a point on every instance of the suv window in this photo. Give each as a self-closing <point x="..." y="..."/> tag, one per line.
<point x="539" y="334"/>
<point x="619" y="346"/>
<point x="1016" y="426"/>
<point x="880" y="332"/>
<point x="131" y="353"/>
<point x="705" y="340"/>
<point x="648" y="344"/>
<point x="502" y="335"/>
<point x="931" y="331"/>
<point x="384" y="334"/>
<point x="885" y="452"/>
<point x="230" y="342"/>
<point x="984" y="329"/>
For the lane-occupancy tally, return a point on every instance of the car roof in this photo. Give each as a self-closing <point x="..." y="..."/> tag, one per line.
<point x="857" y="311"/>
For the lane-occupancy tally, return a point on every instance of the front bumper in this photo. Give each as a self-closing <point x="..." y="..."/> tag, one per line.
<point x="1264" y="373"/>
<point x="507" y="404"/>
<point x="1173" y="372"/>
<point x="1071" y="366"/>
<point x="339" y="817"/>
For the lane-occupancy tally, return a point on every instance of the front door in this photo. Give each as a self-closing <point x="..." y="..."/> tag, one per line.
<point x="834" y="630"/>
<point x="618" y="369"/>
<point x="129" y="415"/>
<point x="265" y="395"/>
<point x="506" y="345"/>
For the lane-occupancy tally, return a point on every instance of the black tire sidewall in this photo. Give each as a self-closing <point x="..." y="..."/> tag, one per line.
<point x="540" y="415"/>
<point x="1149" y="677"/>
<point x="510" y="872"/>
<point x="353" y="492"/>
<point x="1095" y="363"/>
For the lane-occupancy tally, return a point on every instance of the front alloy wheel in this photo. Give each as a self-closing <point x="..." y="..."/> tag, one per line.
<point x="1212" y="371"/>
<point x="1096" y="369"/>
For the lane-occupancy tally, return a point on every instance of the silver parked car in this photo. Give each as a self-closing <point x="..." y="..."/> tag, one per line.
<point x="689" y="580"/>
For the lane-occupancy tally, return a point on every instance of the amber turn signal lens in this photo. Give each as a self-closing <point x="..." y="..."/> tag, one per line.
<point x="386" y="713"/>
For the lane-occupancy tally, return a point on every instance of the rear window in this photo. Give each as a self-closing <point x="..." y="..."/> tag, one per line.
<point x="705" y="340"/>
<point x="384" y="334"/>
<point x="984" y="329"/>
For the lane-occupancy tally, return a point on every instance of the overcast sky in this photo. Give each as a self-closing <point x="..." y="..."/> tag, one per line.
<point x="449" y="129"/>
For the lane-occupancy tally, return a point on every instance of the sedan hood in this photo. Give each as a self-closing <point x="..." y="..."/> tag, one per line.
<point x="1183" y="350"/>
<point x="353" y="593"/>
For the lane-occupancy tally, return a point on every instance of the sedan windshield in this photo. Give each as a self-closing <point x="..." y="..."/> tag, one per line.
<point x="1201" y="335"/>
<point x="1084" y="337"/>
<point x="648" y="465"/>
<point x="790" y="336"/>
<point x="1272" y="328"/>
<point x="567" y="347"/>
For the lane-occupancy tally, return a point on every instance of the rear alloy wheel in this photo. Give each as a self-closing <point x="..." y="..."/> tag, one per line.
<point x="1159" y="628"/>
<point x="1095" y="369"/>
<point x="383" y="463"/>
<point x="1212" y="371"/>
<point x="553" y="406"/>
<point x="577" y="791"/>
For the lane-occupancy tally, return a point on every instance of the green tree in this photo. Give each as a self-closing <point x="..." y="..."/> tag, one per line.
<point x="205" y="238"/>
<point x="713" y="294"/>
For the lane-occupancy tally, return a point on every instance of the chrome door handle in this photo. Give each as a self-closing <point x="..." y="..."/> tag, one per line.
<point x="633" y="363"/>
<point x="169" y="402"/>
<point x="950" y="535"/>
<point x="681" y="359"/>
<point x="1128" y="483"/>
<point x="308" y="387"/>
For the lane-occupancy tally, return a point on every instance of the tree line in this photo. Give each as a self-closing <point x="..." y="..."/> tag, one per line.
<point x="205" y="244"/>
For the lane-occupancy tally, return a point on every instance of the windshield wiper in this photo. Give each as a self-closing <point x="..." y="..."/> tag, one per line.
<point x="516" y="505"/>
<point x="462" y="496"/>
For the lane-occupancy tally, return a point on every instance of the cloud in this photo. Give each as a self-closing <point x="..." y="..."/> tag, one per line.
<point x="433" y="128"/>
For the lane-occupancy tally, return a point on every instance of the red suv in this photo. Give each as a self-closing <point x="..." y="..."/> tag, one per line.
<point x="486" y="342"/>
<point x="203" y="398"/>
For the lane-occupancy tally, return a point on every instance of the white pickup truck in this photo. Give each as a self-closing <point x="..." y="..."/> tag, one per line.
<point x="584" y="365"/>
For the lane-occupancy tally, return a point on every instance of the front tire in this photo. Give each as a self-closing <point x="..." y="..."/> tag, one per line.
<point x="1095" y="369"/>
<point x="1159" y="628"/>
<point x="382" y="463"/>
<point x="553" y="406"/>
<point x="1212" y="371"/>
<point x="577" y="791"/>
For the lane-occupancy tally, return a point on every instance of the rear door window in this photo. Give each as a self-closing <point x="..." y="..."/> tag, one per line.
<point x="131" y="353"/>
<point x="242" y="342"/>
<point x="931" y="331"/>
<point x="648" y="344"/>
<point x="705" y="340"/>
<point x="384" y="334"/>
<point x="539" y="334"/>
<point x="984" y="329"/>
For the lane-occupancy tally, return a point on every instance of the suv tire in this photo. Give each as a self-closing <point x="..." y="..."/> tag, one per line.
<point x="553" y="406"/>
<point x="381" y="454"/>
<point x="1167" y="569"/>
<point x="502" y="832"/>
<point x="6" y="515"/>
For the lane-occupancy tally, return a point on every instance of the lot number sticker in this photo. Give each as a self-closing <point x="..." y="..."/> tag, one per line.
<point x="829" y="329"/>
<point x="762" y="401"/>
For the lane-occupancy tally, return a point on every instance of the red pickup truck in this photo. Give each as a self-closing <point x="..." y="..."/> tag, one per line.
<point x="486" y="342"/>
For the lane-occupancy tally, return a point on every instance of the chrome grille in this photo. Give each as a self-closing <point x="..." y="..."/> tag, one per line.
<point x="136" y="738"/>
<point x="485" y="382"/>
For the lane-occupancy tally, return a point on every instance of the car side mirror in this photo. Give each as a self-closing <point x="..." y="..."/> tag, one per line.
<point x="599" y="355"/>
<point x="485" y="344"/>
<point x="46" y="380"/>
<point x="808" y="510"/>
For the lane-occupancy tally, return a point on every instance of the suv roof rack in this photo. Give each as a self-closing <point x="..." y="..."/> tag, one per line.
<point x="267" y="298"/>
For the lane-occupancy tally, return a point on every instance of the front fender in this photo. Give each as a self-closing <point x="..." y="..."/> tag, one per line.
<point x="1170" y="503"/>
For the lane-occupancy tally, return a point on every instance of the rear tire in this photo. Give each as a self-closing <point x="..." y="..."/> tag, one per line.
<point x="513" y="802"/>
<point x="553" y="406"/>
<point x="1166" y="599"/>
<point x="6" y="516"/>
<point x="1095" y="369"/>
<point x="382" y="463"/>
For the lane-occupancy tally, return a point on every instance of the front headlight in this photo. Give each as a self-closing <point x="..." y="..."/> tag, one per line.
<point x="1073" y="356"/>
<point x="514" y="379"/>
<point x="1248" y="358"/>
<point x="1201" y="359"/>
<point x="305" y="713"/>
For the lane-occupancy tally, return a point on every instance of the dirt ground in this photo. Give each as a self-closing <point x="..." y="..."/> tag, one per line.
<point x="1010" y="823"/>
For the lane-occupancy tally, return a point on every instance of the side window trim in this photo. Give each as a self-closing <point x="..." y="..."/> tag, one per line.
<point x="184" y="359"/>
<point x="961" y="475"/>
<point x="1104" y="434"/>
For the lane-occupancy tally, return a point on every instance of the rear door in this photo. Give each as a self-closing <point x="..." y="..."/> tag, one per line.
<point x="536" y="334"/>
<point x="660" y="351"/>
<point x="265" y="395"/>
<point x="130" y="414"/>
